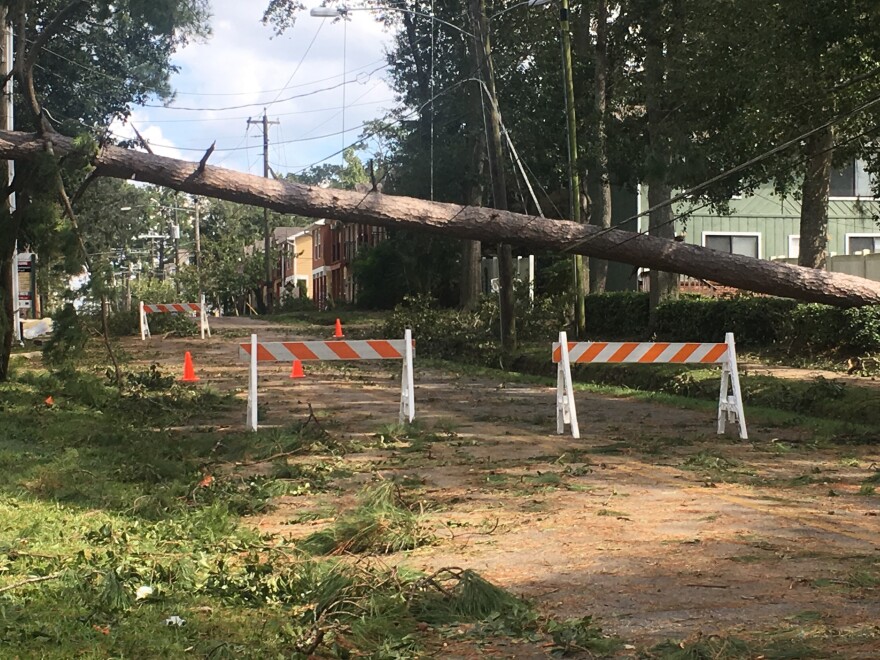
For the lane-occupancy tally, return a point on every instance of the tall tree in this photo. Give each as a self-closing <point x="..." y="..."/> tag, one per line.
<point x="600" y="212"/>
<point x="95" y="58"/>
<point x="790" y="69"/>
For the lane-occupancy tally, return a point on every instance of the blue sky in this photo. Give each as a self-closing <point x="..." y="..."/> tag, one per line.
<point x="244" y="67"/>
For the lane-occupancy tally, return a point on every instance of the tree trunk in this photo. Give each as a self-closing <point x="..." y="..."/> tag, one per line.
<point x="472" y="194"/>
<point x="471" y="260"/>
<point x="663" y="284"/>
<point x="660" y="222"/>
<point x="580" y="266"/>
<point x="483" y="54"/>
<point x="7" y="329"/>
<point x="7" y="263"/>
<point x="453" y="220"/>
<point x="814" y="207"/>
<point x="600" y="214"/>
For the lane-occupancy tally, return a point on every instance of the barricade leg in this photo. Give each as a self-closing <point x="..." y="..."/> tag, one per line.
<point x="566" y="412"/>
<point x="145" y="326"/>
<point x="407" y="386"/>
<point x="730" y="404"/>
<point x="203" y="318"/>
<point x="252" y="387"/>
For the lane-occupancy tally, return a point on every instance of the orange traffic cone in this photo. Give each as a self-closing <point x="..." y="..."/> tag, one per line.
<point x="297" y="370"/>
<point x="189" y="373"/>
<point x="338" y="332"/>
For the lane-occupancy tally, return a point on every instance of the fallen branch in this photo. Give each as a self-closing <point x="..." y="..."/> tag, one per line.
<point x="33" y="580"/>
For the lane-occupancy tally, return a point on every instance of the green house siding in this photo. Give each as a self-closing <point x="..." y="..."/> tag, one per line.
<point x="776" y="220"/>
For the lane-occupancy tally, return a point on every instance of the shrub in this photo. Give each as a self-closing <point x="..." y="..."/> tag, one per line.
<point x="759" y="322"/>
<point x="69" y="336"/>
<point x="621" y="315"/>
<point x="123" y="324"/>
<point x="756" y="321"/>
<point x="443" y="333"/>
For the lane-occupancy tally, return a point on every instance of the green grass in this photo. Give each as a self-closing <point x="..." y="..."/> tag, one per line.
<point x="104" y="493"/>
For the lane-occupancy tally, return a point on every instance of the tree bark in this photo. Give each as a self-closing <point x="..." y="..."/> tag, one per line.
<point x="7" y="311"/>
<point x="600" y="215"/>
<point x="472" y="195"/>
<point x="483" y="55"/>
<point x="814" y="206"/>
<point x="663" y="284"/>
<point x="468" y="222"/>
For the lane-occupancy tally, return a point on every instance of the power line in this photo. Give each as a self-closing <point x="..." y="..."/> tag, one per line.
<point x="235" y="118"/>
<point x="300" y="63"/>
<point x="256" y="104"/>
<point x="112" y="78"/>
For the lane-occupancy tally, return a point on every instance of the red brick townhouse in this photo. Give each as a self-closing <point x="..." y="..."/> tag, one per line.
<point x="335" y="245"/>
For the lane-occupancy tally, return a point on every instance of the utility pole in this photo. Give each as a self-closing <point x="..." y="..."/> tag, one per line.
<point x="8" y="260"/>
<point x="574" y="186"/>
<point x="267" y="243"/>
<point x="483" y="56"/>
<point x="198" y="236"/>
<point x="175" y="236"/>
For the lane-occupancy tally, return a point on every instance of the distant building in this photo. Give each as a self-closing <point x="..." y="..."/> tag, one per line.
<point x="296" y="258"/>
<point x="335" y="245"/>
<point x="766" y="226"/>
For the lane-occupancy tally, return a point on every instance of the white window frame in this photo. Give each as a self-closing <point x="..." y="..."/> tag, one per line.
<point x="790" y="241"/>
<point x="875" y="235"/>
<point x="756" y="234"/>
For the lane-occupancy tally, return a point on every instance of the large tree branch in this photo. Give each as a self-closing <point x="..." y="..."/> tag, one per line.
<point x="465" y="222"/>
<point x="50" y="31"/>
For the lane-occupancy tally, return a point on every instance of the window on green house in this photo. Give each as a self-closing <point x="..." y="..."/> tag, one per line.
<point x="860" y="242"/>
<point x="851" y="180"/>
<point x="745" y="244"/>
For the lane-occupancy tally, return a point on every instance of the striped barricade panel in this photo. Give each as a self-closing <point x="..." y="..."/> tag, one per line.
<point x="315" y="351"/>
<point x="598" y="352"/>
<point x="310" y="351"/>
<point x="198" y="308"/>
<point x="566" y="353"/>
<point x="171" y="308"/>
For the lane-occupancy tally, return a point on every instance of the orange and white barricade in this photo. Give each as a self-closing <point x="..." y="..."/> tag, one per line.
<point x="566" y="353"/>
<point x="174" y="308"/>
<point x="312" y="351"/>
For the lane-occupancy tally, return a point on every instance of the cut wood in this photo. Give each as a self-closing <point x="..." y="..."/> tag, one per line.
<point x="469" y="222"/>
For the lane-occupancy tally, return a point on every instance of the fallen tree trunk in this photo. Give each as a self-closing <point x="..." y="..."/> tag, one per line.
<point x="466" y="222"/>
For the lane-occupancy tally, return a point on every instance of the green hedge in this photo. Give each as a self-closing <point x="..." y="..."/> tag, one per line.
<point x="617" y="315"/>
<point x="796" y="329"/>
<point x="757" y="322"/>
<point x="778" y="325"/>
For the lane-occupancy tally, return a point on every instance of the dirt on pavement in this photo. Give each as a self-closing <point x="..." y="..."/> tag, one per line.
<point x="650" y="522"/>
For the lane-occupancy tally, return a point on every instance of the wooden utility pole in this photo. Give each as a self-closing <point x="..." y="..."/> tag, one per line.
<point x="483" y="57"/>
<point x="267" y="237"/>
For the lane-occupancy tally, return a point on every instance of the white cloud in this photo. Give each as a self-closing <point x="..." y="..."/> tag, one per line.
<point x="245" y="64"/>
<point x="155" y="137"/>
